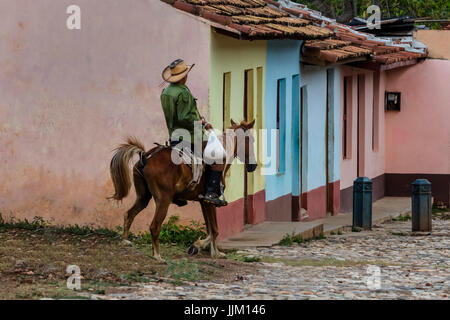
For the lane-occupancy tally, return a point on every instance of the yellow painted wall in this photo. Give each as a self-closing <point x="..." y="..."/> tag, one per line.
<point x="236" y="56"/>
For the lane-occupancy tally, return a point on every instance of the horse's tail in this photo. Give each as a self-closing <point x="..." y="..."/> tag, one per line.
<point x="119" y="167"/>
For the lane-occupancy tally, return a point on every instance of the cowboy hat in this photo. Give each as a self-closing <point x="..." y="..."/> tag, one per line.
<point x="176" y="71"/>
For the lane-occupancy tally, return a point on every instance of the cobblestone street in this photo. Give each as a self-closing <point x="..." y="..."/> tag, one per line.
<point x="343" y="266"/>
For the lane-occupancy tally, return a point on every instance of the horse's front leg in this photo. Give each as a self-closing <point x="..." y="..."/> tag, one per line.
<point x="202" y="244"/>
<point x="214" y="232"/>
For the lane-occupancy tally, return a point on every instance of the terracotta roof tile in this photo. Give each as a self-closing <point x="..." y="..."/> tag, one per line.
<point x="333" y="50"/>
<point x="347" y="44"/>
<point x="253" y="19"/>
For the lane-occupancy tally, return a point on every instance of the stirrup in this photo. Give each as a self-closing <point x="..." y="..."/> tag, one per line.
<point x="215" y="201"/>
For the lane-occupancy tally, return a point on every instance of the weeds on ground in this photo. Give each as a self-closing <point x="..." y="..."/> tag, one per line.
<point x="172" y="233"/>
<point x="39" y="225"/>
<point x="289" y="239"/>
<point x="402" y="217"/>
<point x="242" y="258"/>
<point x="95" y="250"/>
<point x="441" y="212"/>
<point x="135" y="276"/>
<point x="182" y="270"/>
<point x="320" y="237"/>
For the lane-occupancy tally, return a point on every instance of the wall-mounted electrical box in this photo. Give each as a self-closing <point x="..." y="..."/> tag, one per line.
<point x="392" y="101"/>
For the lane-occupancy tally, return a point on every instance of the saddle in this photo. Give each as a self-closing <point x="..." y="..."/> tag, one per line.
<point x="186" y="156"/>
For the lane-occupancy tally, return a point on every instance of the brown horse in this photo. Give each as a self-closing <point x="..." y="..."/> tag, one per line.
<point x="166" y="182"/>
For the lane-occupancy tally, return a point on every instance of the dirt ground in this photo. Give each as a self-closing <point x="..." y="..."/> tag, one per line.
<point x="33" y="265"/>
<point x="33" y="262"/>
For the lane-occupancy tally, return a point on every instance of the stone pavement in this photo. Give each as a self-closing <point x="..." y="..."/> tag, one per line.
<point x="388" y="262"/>
<point x="268" y="234"/>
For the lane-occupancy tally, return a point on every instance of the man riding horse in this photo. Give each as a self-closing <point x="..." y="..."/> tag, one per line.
<point x="156" y="175"/>
<point x="180" y="111"/>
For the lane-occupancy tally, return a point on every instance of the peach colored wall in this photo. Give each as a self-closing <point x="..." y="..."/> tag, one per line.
<point x="437" y="42"/>
<point x="68" y="97"/>
<point x="372" y="161"/>
<point x="418" y="137"/>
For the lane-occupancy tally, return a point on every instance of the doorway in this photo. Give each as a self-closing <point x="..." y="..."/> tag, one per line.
<point x="248" y="116"/>
<point x="361" y="110"/>
<point x="329" y="142"/>
<point x="303" y="149"/>
<point x="296" y="147"/>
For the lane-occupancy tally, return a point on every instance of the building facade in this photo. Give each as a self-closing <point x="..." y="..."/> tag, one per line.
<point x="238" y="72"/>
<point x="69" y="97"/>
<point x="319" y="139"/>
<point x="319" y="105"/>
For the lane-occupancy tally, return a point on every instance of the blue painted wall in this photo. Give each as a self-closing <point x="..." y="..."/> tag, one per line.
<point x="314" y="79"/>
<point x="282" y="62"/>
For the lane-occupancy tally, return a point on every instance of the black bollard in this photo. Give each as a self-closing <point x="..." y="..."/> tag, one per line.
<point x="362" y="203"/>
<point x="421" y="205"/>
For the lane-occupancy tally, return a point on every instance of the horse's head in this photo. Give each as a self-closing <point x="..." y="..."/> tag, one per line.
<point x="244" y="144"/>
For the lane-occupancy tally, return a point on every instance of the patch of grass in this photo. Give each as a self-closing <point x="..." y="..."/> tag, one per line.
<point x="320" y="237"/>
<point x="242" y="258"/>
<point x="339" y="233"/>
<point x="439" y="206"/>
<point x="440" y="213"/>
<point x="443" y="216"/>
<point x="182" y="270"/>
<point x="135" y="276"/>
<point x="36" y="224"/>
<point x="402" y="217"/>
<point x="39" y="225"/>
<point x="40" y="290"/>
<point x="289" y="239"/>
<point x="356" y="229"/>
<point x="34" y="258"/>
<point x="172" y="233"/>
<point x="286" y="241"/>
<point x="398" y="233"/>
<point x="251" y="259"/>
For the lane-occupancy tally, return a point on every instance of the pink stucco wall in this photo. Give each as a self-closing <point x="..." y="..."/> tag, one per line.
<point x="371" y="160"/>
<point x="68" y="97"/>
<point x="418" y="137"/>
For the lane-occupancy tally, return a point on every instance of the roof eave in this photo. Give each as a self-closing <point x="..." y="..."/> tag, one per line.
<point x="376" y="66"/>
<point x="323" y="63"/>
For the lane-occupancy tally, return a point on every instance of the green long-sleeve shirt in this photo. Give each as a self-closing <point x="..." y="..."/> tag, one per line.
<point x="180" y="109"/>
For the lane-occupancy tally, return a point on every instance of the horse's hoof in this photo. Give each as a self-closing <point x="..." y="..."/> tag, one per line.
<point x="159" y="259"/>
<point x="192" y="250"/>
<point x="219" y="255"/>
<point x="126" y="242"/>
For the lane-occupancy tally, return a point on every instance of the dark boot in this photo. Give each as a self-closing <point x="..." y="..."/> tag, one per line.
<point x="213" y="179"/>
